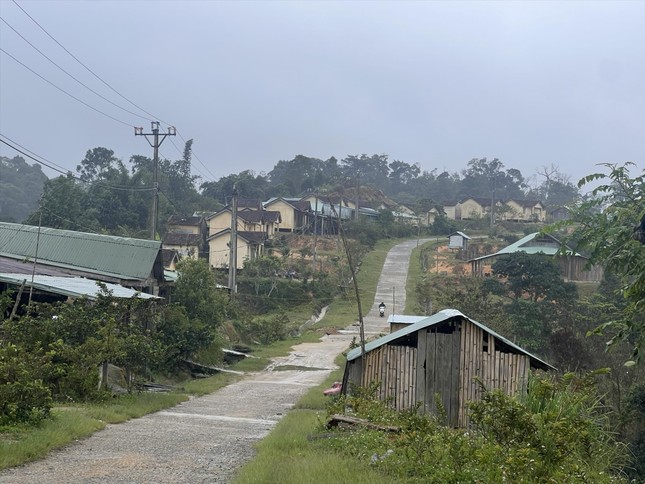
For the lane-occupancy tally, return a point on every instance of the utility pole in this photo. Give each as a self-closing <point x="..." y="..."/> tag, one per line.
<point x="232" y="256"/>
<point x="155" y="143"/>
<point x="315" y="234"/>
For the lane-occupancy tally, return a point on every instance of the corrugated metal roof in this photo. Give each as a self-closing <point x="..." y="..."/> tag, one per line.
<point x="71" y="286"/>
<point x="404" y="319"/>
<point x="519" y="246"/>
<point x="461" y="234"/>
<point x="440" y="317"/>
<point x="119" y="257"/>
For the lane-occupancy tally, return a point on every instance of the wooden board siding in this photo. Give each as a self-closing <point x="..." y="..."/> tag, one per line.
<point x="487" y="362"/>
<point x="438" y="372"/>
<point x="394" y="367"/>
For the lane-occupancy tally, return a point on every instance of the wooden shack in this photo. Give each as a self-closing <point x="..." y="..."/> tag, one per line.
<point x="441" y="356"/>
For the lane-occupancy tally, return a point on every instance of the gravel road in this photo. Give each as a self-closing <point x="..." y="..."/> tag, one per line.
<point x="208" y="438"/>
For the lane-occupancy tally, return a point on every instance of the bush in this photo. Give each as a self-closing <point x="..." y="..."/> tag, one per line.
<point x="557" y="434"/>
<point x="24" y="398"/>
<point x="265" y="330"/>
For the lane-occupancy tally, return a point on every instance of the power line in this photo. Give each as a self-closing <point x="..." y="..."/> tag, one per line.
<point x="87" y="68"/>
<point x="70" y="75"/>
<point x="213" y="177"/>
<point x="197" y="158"/>
<point x="37" y="161"/>
<point x="37" y="155"/>
<point x="68" y="172"/>
<point x="64" y="91"/>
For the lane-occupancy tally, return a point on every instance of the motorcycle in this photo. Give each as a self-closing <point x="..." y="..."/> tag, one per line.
<point x="381" y="311"/>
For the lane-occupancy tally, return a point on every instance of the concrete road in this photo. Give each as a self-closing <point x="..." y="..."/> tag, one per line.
<point x="208" y="438"/>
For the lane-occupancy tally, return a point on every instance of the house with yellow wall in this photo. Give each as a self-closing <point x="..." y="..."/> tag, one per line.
<point x="295" y="214"/>
<point x="249" y="246"/>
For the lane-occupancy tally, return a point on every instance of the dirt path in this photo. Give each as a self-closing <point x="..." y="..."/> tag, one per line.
<point x="207" y="438"/>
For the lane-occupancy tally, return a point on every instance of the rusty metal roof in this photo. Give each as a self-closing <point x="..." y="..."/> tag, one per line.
<point x="119" y="257"/>
<point x="435" y="319"/>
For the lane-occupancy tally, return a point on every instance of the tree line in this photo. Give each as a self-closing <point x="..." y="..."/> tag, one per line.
<point x="108" y="195"/>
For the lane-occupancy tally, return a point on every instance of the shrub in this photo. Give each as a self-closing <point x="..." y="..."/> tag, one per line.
<point x="557" y="434"/>
<point x="24" y="398"/>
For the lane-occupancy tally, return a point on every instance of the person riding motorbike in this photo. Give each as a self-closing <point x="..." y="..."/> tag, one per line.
<point x="381" y="309"/>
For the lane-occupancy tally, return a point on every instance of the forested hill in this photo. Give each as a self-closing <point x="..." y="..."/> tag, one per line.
<point x="109" y="195"/>
<point x="21" y="185"/>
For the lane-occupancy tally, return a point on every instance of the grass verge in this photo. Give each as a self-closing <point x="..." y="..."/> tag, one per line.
<point x="344" y="311"/>
<point x="300" y="462"/>
<point x="21" y="444"/>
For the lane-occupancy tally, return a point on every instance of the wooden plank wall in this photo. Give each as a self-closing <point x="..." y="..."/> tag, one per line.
<point x="395" y="368"/>
<point x="438" y="372"/>
<point x="496" y="369"/>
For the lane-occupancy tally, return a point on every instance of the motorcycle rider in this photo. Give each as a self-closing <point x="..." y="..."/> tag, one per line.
<point x="381" y="309"/>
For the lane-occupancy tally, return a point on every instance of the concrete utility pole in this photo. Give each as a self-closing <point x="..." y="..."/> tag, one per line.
<point x="155" y="143"/>
<point x="315" y="235"/>
<point x="232" y="256"/>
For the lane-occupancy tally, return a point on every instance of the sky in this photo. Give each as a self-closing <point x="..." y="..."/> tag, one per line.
<point x="435" y="83"/>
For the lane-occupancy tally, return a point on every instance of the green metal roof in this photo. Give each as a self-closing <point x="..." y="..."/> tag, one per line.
<point x="118" y="257"/>
<point x="521" y="246"/>
<point x="440" y="317"/>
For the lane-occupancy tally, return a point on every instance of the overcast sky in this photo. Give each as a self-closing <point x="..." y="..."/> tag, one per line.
<point x="434" y="83"/>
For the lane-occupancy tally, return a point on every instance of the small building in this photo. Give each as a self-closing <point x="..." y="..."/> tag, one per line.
<point x="249" y="246"/>
<point x="294" y="213"/>
<point x="475" y="208"/>
<point x="187" y="235"/>
<point x="134" y="263"/>
<point x="442" y="356"/>
<point x="400" y="321"/>
<point x="170" y="257"/>
<point x="524" y="211"/>
<point x="573" y="266"/>
<point x="450" y="208"/>
<point x="187" y="246"/>
<point x="458" y="240"/>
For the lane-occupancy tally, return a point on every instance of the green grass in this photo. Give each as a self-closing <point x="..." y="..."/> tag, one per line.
<point x="299" y="461"/>
<point x="415" y="273"/>
<point x="22" y="444"/>
<point x="344" y="311"/>
<point x="288" y="444"/>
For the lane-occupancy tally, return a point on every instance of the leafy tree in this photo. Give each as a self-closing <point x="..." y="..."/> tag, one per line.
<point x="298" y="175"/>
<point x="99" y="164"/>
<point x="196" y="290"/>
<point x="613" y="238"/>
<point x="21" y="185"/>
<point x="483" y="177"/>
<point x="248" y="184"/>
<point x="536" y="276"/>
<point x="401" y="174"/>
<point x="65" y="206"/>
<point x="370" y="170"/>
<point x="556" y="190"/>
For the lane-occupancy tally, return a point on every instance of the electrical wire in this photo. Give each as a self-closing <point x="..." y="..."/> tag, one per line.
<point x="212" y="176"/>
<point x="34" y="159"/>
<point x="70" y="75"/>
<point x="41" y="157"/>
<point x="69" y="173"/>
<point x="64" y="91"/>
<point x="87" y="68"/>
